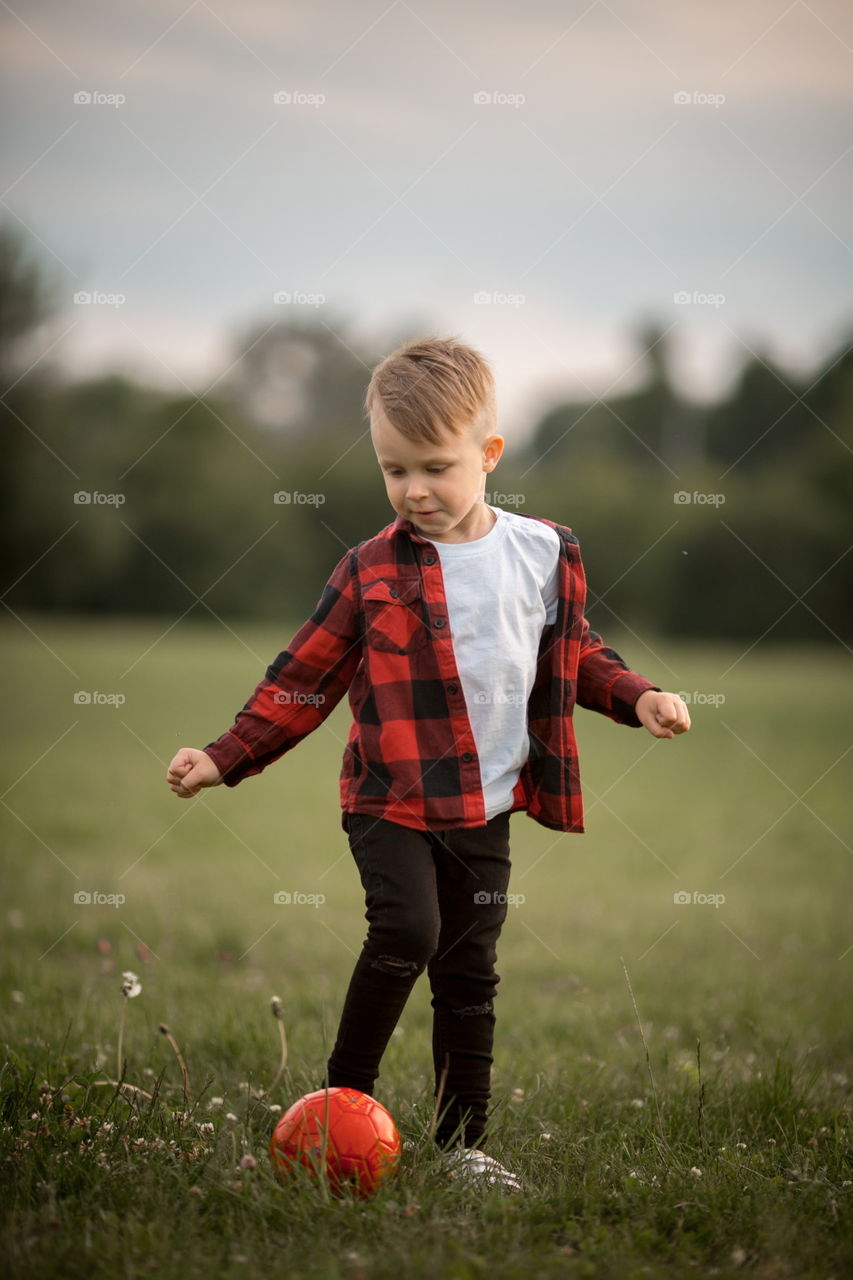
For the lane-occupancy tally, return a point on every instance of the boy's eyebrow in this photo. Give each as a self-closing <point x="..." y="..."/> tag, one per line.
<point x="426" y="462"/>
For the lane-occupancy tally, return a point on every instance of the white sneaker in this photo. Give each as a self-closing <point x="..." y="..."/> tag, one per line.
<point x="474" y="1167"/>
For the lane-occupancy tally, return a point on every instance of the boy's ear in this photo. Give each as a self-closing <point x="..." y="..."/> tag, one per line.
<point x="493" y="447"/>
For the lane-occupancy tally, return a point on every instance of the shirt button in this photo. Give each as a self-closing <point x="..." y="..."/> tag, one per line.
<point x="394" y="593"/>
<point x="453" y="688"/>
<point x="467" y="757"/>
<point x="440" y="622"/>
<point x="429" y="559"/>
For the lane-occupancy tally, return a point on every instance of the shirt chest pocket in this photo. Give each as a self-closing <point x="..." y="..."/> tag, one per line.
<point x="395" y="615"/>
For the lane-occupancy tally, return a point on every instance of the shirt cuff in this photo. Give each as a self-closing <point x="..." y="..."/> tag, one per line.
<point x="231" y="758"/>
<point x="624" y="694"/>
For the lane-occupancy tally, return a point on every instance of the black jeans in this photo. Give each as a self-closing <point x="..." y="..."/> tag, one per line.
<point x="436" y="901"/>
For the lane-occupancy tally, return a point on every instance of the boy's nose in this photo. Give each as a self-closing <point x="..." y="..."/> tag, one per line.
<point x="417" y="489"/>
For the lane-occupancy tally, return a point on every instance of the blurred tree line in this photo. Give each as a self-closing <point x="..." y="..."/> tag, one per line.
<point x="723" y="520"/>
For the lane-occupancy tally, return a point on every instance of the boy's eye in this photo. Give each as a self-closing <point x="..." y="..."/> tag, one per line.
<point x="436" y="471"/>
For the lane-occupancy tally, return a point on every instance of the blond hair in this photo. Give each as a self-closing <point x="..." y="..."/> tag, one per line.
<point x="434" y="384"/>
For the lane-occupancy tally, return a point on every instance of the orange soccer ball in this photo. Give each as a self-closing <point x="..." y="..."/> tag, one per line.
<point x="342" y="1135"/>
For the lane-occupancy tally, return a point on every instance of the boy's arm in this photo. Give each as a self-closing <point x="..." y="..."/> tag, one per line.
<point x="607" y="684"/>
<point x="301" y="688"/>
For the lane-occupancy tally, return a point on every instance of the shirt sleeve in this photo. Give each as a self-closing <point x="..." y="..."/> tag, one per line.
<point x="301" y="687"/>
<point x="607" y="684"/>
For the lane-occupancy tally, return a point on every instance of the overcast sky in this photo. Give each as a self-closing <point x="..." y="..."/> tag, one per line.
<point x="581" y="197"/>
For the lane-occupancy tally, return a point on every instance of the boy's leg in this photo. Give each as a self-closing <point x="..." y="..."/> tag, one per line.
<point x="398" y="874"/>
<point x="472" y="875"/>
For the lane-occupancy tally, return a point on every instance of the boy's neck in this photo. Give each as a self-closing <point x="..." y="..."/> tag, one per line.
<point x="480" y="520"/>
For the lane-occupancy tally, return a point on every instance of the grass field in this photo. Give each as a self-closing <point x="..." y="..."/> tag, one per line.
<point x="672" y="1080"/>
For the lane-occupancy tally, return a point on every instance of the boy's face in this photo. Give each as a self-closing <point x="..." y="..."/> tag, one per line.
<point x="439" y="487"/>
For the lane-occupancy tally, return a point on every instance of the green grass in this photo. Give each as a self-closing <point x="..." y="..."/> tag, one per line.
<point x="738" y="1064"/>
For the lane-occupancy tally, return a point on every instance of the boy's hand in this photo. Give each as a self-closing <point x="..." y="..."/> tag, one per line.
<point x="190" y="771"/>
<point x="663" y="714"/>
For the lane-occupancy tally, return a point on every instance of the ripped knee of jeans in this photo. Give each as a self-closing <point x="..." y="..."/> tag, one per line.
<point x="474" y="1010"/>
<point x="399" y="967"/>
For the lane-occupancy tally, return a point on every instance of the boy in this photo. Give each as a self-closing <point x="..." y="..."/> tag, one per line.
<point x="459" y="633"/>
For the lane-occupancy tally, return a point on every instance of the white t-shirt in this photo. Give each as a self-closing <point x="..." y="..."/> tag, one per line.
<point x="501" y="592"/>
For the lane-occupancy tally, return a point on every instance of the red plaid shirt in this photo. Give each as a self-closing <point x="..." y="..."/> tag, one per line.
<point x="381" y="630"/>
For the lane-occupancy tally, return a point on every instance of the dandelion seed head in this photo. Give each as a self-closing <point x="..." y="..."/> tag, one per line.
<point x="131" y="986"/>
